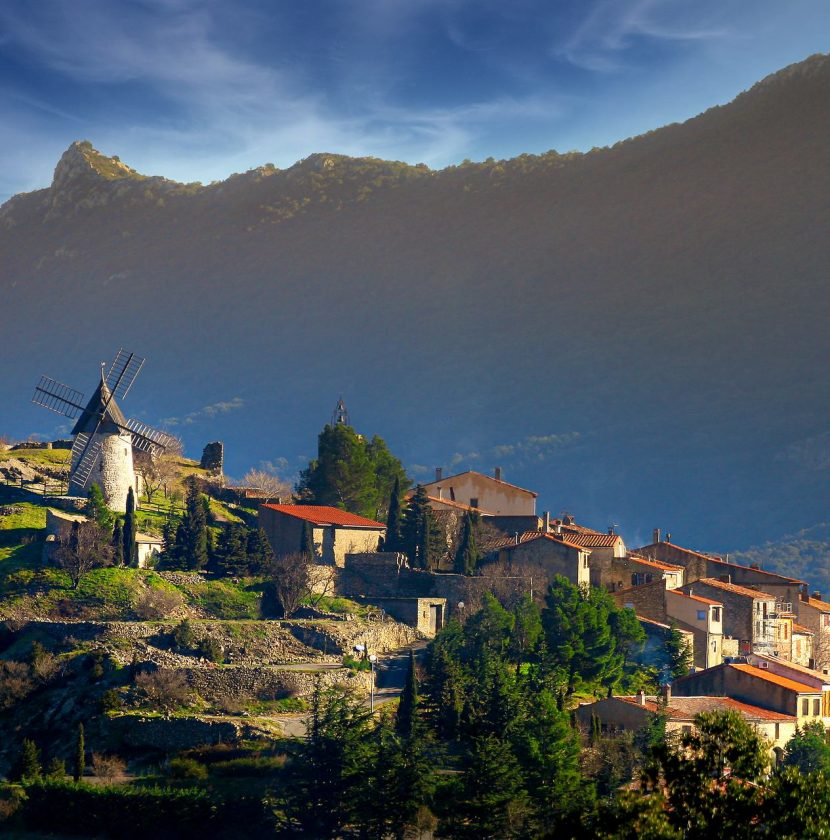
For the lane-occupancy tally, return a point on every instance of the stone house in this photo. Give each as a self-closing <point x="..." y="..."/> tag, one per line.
<point x="814" y="614"/>
<point x="756" y="686"/>
<point x="148" y="548"/>
<point x="550" y="554"/>
<point x="633" y="712"/>
<point x="484" y="492"/>
<point x="335" y="532"/>
<point x="633" y="570"/>
<point x="692" y="613"/>
<point x="802" y="649"/>
<point x="750" y="616"/>
<point x="786" y="590"/>
<point x="799" y="673"/>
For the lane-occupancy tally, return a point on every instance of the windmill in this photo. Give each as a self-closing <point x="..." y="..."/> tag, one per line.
<point x="102" y="451"/>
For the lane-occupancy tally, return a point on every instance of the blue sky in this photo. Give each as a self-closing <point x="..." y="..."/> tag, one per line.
<point x="198" y="89"/>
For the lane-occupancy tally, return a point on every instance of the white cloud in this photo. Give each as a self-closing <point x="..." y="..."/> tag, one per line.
<point x="207" y="411"/>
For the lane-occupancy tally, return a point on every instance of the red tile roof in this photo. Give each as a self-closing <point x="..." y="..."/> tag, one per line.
<point x="324" y="515"/>
<point x="784" y="682"/>
<point x="800" y="628"/>
<point x="693" y="597"/>
<point x="734" y="588"/>
<point x="444" y="479"/>
<point x="686" y="708"/>
<point x="590" y="539"/>
<point x="658" y="564"/>
<point x="506" y="543"/>
<point x="819" y="605"/>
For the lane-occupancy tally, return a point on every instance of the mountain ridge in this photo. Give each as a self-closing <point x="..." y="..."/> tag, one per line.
<point x="664" y="298"/>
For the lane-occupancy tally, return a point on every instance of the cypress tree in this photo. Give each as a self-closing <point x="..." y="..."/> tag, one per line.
<point x="307" y="540"/>
<point x="191" y="537"/>
<point x="118" y="543"/>
<point x="97" y="510"/>
<point x="405" y="720"/>
<point x="422" y="539"/>
<point x="80" y="755"/>
<point x="168" y="537"/>
<point x="393" y="519"/>
<point x="467" y="555"/>
<point x="30" y="767"/>
<point x="130" y="550"/>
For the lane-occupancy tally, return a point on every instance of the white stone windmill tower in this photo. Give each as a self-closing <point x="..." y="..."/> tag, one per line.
<point x="102" y="452"/>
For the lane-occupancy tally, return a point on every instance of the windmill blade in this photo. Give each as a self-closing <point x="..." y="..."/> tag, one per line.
<point x="122" y="372"/>
<point x="88" y="450"/>
<point x="58" y="397"/>
<point x="148" y="439"/>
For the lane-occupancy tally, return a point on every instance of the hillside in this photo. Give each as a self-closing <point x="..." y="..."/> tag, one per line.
<point x="582" y="320"/>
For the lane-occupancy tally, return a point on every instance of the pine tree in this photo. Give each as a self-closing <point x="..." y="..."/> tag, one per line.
<point x="260" y="553"/>
<point x="118" y="543"/>
<point x="30" y="767"/>
<point x="168" y="538"/>
<point x="422" y="541"/>
<point x="232" y="550"/>
<point x="191" y="536"/>
<point x="80" y="755"/>
<point x="130" y="551"/>
<point x="678" y="653"/>
<point x="393" y="519"/>
<point x="467" y="556"/>
<point x="406" y="718"/>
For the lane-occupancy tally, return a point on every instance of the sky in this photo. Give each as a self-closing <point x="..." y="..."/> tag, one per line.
<point x="199" y="89"/>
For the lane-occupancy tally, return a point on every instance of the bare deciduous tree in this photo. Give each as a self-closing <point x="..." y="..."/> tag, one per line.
<point x="108" y="767"/>
<point x="165" y="690"/>
<point x="270" y="485"/>
<point x="85" y="548"/>
<point x="292" y="580"/>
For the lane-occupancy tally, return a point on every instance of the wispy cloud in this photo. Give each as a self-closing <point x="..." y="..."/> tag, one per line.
<point x="612" y="27"/>
<point x="205" y="412"/>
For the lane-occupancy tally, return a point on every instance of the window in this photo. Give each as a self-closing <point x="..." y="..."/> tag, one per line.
<point x="777" y="731"/>
<point x="805" y="707"/>
<point x="474" y="502"/>
<point x="816" y="707"/>
<point x="715" y="613"/>
<point x="701" y="615"/>
<point x="825" y="620"/>
<point x="584" y="562"/>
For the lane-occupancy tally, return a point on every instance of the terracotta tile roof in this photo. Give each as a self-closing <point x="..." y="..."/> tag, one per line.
<point x="734" y="588"/>
<point x="819" y="605"/>
<point x="824" y="679"/>
<point x="444" y="479"/>
<point x="590" y="539"/>
<point x="800" y="628"/>
<point x="579" y="529"/>
<point x="784" y="682"/>
<point x="506" y="543"/>
<point x="323" y="515"/>
<point x="686" y="708"/>
<point x="147" y="539"/>
<point x="693" y="597"/>
<point x="658" y="564"/>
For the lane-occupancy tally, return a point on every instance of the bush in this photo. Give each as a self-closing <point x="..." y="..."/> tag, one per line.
<point x="186" y="768"/>
<point x="183" y="636"/>
<point x="155" y="604"/>
<point x="211" y="649"/>
<point x="249" y="767"/>
<point x="111" y="701"/>
<point x="123" y="812"/>
<point x="356" y="664"/>
<point x="164" y="689"/>
<point x="107" y="767"/>
<point x="56" y="769"/>
<point x="16" y="683"/>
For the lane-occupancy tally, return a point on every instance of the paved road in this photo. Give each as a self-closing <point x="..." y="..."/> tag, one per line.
<point x="390" y="676"/>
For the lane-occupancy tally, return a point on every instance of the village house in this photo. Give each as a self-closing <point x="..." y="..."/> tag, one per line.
<point x="756" y="686"/>
<point x="786" y="590"/>
<point x="799" y="673"/>
<point x="702" y="617"/>
<point x="335" y="533"/>
<point x="633" y="570"/>
<point x="549" y="553"/>
<point x="750" y="616"/>
<point x="802" y="651"/>
<point x="814" y="614"/>
<point x="631" y="713"/>
<point x="486" y="493"/>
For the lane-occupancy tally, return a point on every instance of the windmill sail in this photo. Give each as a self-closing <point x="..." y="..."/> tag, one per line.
<point x="58" y="397"/>
<point x="122" y="372"/>
<point x="148" y="439"/>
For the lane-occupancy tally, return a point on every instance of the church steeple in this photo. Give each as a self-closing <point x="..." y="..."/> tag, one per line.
<point x="340" y="415"/>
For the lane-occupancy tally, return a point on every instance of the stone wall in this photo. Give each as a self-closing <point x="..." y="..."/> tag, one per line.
<point x="113" y="471"/>
<point x="175" y="734"/>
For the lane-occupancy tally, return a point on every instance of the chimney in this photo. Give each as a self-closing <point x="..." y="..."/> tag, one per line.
<point x="438" y="473"/>
<point x="610" y="530"/>
<point x="440" y="492"/>
<point x="641" y="697"/>
<point x="498" y="473"/>
<point x="817" y="596"/>
<point x="668" y="536"/>
<point x="655" y="537"/>
<point x="557" y="527"/>
<point x="546" y="520"/>
<point x="516" y="537"/>
<point x="725" y="578"/>
<point x="665" y="691"/>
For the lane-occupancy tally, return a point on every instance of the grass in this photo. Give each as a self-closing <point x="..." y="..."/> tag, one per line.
<point x="336" y="604"/>
<point x="225" y="599"/>
<point x="48" y="457"/>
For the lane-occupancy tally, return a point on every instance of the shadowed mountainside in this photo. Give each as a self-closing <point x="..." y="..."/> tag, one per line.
<point x="639" y="333"/>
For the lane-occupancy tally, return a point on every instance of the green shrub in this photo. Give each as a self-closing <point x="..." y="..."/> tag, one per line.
<point x="123" y="812"/>
<point x="187" y="768"/>
<point x="356" y="664"/>
<point x="249" y="767"/>
<point x="211" y="649"/>
<point x="183" y="635"/>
